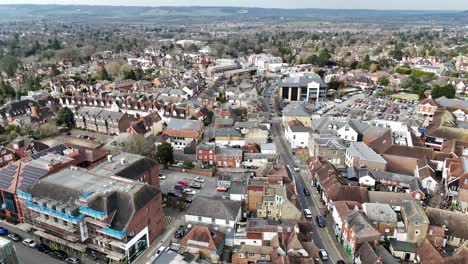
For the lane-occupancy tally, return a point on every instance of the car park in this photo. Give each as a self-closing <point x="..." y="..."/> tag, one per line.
<point x="29" y="243"/>
<point x="14" y="237"/>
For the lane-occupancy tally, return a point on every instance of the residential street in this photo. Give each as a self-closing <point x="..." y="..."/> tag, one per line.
<point x="321" y="236"/>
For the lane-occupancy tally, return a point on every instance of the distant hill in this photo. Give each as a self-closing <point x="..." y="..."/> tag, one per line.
<point x="78" y="13"/>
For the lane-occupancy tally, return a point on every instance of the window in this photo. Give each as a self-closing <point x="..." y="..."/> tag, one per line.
<point x="227" y="222"/>
<point x="263" y="256"/>
<point x="213" y="220"/>
<point x="387" y="230"/>
<point x="251" y="255"/>
<point x="199" y="219"/>
<point x="417" y="232"/>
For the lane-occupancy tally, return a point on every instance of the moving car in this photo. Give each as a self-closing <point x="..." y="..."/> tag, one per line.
<point x="14" y="237"/>
<point x="323" y="254"/>
<point x="43" y="248"/>
<point x="199" y="179"/>
<point x="306" y="192"/>
<point x="307" y="214"/>
<point x="3" y="231"/>
<point x="29" y="243"/>
<point x="72" y="260"/>
<point x="320" y="221"/>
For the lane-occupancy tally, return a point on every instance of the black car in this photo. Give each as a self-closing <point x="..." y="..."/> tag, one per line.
<point x="59" y="254"/>
<point x="340" y="262"/>
<point x="44" y="248"/>
<point x="306" y="192"/>
<point x="320" y="220"/>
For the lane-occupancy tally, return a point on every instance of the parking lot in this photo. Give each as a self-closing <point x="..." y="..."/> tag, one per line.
<point x="208" y="188"/>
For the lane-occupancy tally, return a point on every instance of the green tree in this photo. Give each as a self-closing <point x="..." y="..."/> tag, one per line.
<point x="443" y="90"/>
<point x="188" y="164"/>
<point x="165" y="154"/>
<point x="102" y="74"/>
<point x="65" y="117"/>
<point x="9" y="65"/>
<point x="384" y="81"/>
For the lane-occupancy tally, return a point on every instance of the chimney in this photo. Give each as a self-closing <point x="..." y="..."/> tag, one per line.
<point x="123" y="161"/>
<point x="109" y="158"/>
<point x="17" y="144"/>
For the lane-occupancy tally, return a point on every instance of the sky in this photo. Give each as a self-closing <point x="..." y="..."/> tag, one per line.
<point x="339" y="4"/>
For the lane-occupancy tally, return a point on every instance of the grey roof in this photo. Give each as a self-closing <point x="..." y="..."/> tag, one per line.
<point x="224" y="121"/>
<point x="246" y="124"/>
<point x="403" y="245"/>
<point x="214" y="208"/>
<point x="360" y="225"/>
<point x="414" y="211"/>
<point x="379" y="212"/>
<point x="414" y="183"/>
<point x="268" y="156"/>
<point x="184" y="124"/>
<point x="303" y="81"/>
<point x="237" y="188"/>
<point x="328" y="125"/>
<point x="227" y="132"/>
<point x="231" y="152"/>
<point x="385" y="256"/>
<point x="295" y="109"/>
<point x="390" y="198"/>
<point x="300" y="129"/>
<point x="446" y="102"/>
<point x="268" y="146"/>
<point x="363" y="152"/>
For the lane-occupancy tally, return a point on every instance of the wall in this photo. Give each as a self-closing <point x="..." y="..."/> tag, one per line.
<point x="150" y="215"/>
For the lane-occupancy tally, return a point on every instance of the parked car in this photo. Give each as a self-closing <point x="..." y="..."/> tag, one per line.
<point x="14" y="237"/>
<point x="307" y="214"/>
<point x="189" y="191"/>
<point x="195" y="185"/>
<point x="162" y="176"/>
<point x="340" y="262"/>
<point x="59" y="254"/>
<point x="44" y="248"/>
<point x="323" y="254"/>
<point x="29" y="243"/>
<point x="73" y="260"/>
<point x="199" y="179"/>
<point x="160" y="250"/>
<point x="296" y="169"/>
<point x="3" y="231"/>
<point x="174" y="193"/>
<point x="320" y="221"/>
<point x="306" y="192"/>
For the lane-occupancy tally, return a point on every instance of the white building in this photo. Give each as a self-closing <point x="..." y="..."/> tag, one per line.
<point x="207" y="211"/>
<point x="297" y="134"/>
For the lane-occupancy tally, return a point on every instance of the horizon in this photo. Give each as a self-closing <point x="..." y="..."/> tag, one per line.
<point x="397" y="5"/>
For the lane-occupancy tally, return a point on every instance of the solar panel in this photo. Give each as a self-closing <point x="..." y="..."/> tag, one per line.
<point x="57" y="149"/>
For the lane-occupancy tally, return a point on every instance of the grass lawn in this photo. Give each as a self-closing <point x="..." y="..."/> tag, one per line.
<point x="407" y="96"/>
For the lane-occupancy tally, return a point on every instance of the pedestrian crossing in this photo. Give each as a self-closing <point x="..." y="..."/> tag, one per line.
<point x="168" y="220"/>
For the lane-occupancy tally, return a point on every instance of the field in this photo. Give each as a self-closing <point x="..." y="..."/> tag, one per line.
<point x="406" y="96"/>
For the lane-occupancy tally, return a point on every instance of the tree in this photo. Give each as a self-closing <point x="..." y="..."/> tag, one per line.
<point x="165" y="154"/>
<point x="9" y="65"/>
<point x="65" y="117"/>
<point x="102" y="74"/>
<point x="137" y="144"/>
<point x="188" y="164"/>
<point x="384" y="81"/>
<point x="443" y="90"/>
<point x="335" y="84"/>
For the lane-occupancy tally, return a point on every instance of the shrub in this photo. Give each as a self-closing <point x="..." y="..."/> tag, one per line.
<point x="12" y="220"/>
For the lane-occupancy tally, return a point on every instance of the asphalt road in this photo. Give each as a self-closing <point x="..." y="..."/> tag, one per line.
<point x="321" y="237"/>
<point x="29" y="255"/>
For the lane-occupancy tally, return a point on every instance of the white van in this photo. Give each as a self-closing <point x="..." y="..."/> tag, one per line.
<point x="307" y="214"/>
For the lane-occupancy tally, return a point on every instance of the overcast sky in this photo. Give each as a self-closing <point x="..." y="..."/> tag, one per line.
<point x="342" y="4"/>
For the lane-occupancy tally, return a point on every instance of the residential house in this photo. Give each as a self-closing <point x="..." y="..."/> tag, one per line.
<point x="26" y="146"/>
<point x="296" y="111"/>
<point x="103" y="121"/>
<point x="356" y="230"/>
<point x="182" y="132"/>
<point x="206" y="153"/>
<point x="228" y="157"/>
<point x="453" y="223"/>
<point x="360" y="155"/>
<point x="328" y="146"/>
<point x="341" y="209"/>
<point x="381" y="216"/>
<point x="405" y="251"/>
<point x="444" y="126"/>
<point x="276" y="205"/>
<point x="257" y="135"/>
<point x="427" y="107"/>
<point x="349" y="129"/>
<point x="255" y="193"/>
<point x="228" y="136"/>
<point x="207" y="243"/>
<point x="415" y="221"/>
<point x="297" y="134"/>
<point x="205" y="211"/>
<point x="252" y="254"/>
<point x="373" y="255"/>
<point x="455" y="175"/>
<point x="6" y="156"/>
<point x="426" y="171"/>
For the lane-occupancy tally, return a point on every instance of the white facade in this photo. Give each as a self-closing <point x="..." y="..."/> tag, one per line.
<point x="297" y="139"/>
<point x="209" y="220"/>
<point x="348" y="133"/>
<point x="366" y="180"/>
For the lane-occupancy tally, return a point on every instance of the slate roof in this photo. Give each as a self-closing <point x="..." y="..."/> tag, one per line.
<point x="379" y="212"/>
<point x="414" y="211"/>
<point x="403" y="245"/>
<point x="446" y="102"/>
<point x="364" y="153"/>
<point x="214" y="208"/>
<point x="227" y="132"/>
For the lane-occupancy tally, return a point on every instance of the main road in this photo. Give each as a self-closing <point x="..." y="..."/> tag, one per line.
<point x="322" y="238"/>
